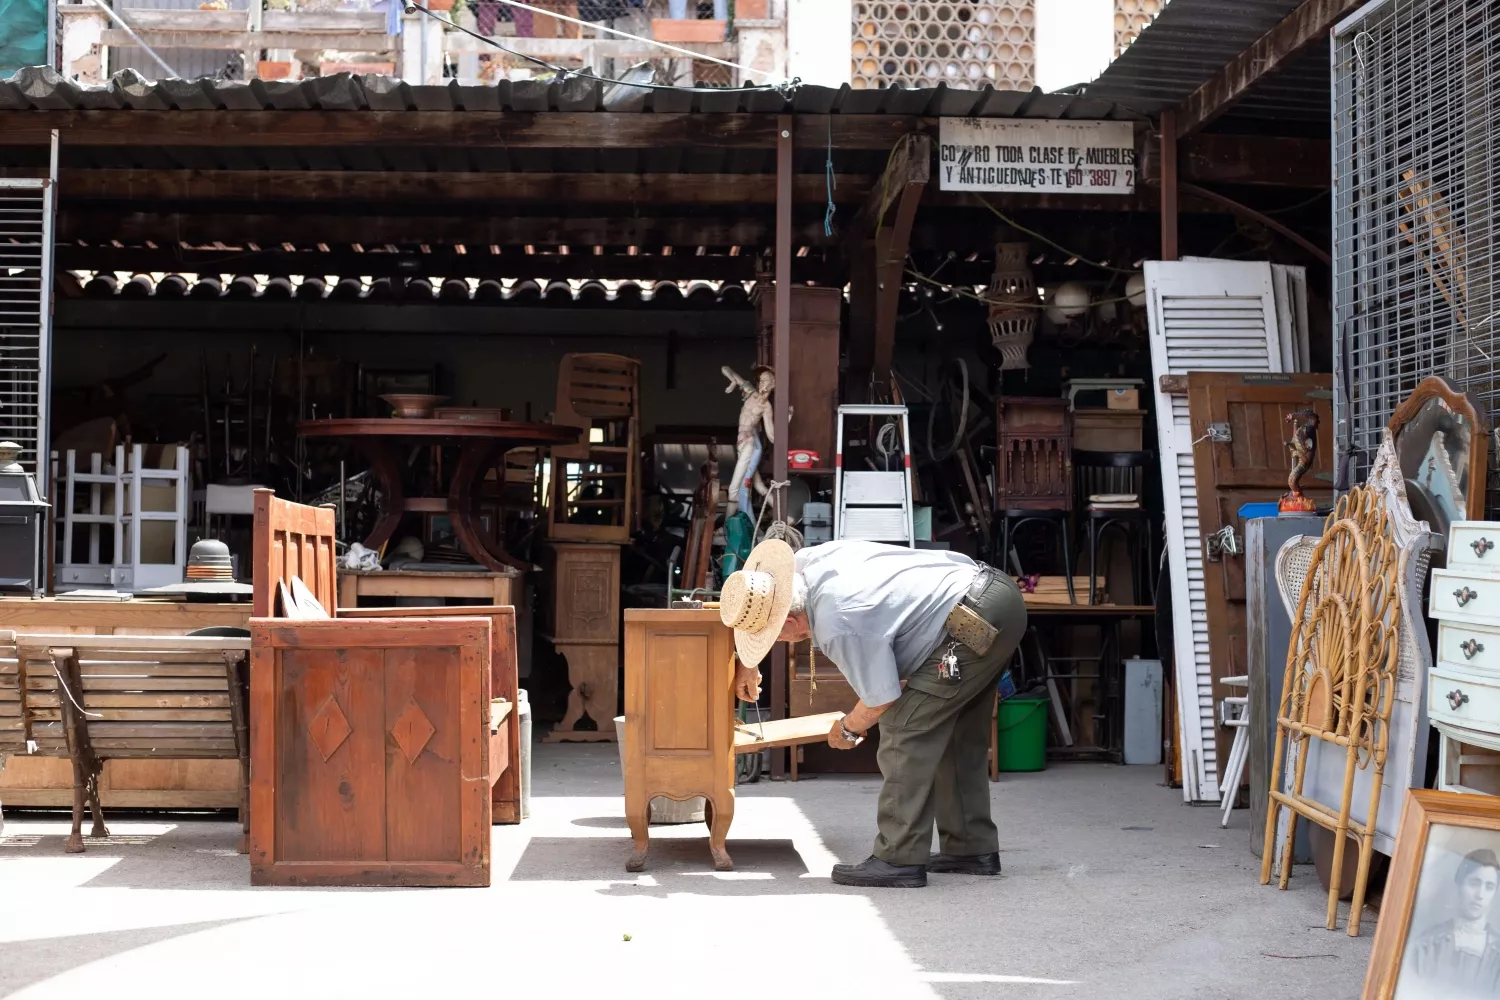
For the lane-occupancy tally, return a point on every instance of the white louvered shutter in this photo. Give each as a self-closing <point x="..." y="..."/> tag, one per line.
<point x="1205" y="316"/>
<point x="26" y="207"/>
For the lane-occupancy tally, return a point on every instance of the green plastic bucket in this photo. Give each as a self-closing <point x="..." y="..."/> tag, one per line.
<point x="1021" y="735"/>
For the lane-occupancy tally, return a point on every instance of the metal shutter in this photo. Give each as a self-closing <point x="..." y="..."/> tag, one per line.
<point x="1205" y="316"/>
<point x="26" y="211"/>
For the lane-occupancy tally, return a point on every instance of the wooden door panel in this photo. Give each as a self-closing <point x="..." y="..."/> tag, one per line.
<point x="677" y="688"/>
<point x="370" y="752"/>
<point x="1252" y="466"/>
<point x="423" y="776"/>
<point x="331" y="737"/>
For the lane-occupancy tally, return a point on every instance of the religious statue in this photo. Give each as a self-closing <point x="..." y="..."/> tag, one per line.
<point x="747" y="447"/>
<point x="1303" y="447"/>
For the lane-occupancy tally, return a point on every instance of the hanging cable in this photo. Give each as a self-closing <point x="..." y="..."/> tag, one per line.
<point x="965" y="294"/>
<point x="831" y="183"/>
<point x="1051" y="243"/>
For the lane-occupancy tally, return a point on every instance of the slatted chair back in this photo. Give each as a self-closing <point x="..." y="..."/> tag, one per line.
<point x="292" y="540"/>
<point x="12" y="684"/>
<point x="594" y="387"/>
<point x="139" y="696"/>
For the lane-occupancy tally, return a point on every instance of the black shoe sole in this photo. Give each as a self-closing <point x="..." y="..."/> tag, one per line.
<point x="961" y="870"/>
<point x="876" y="882"/>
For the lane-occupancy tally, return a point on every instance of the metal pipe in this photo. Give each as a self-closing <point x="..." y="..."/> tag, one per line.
<point x="136" y="38"/>
<point x="781" y="362"/>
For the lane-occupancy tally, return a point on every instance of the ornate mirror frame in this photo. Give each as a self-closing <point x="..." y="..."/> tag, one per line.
<point x="1436" y="387"/>
<point x="1417" y="544"/>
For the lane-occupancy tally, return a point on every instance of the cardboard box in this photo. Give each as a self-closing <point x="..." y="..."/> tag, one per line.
<point x="1123" y="399"/>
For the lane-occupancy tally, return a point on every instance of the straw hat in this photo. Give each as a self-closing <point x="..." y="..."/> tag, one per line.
<point x="755" y="600"/>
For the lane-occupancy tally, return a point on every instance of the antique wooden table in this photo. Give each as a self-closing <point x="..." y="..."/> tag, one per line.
<point x="481" y="444"/>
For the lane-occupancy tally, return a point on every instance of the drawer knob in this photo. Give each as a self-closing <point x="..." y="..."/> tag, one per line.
<point x="1471" y="648"/>
<point x="1465" y="595"/>
<point x="1457" y="699"/>
<point x="1481" y="546"/>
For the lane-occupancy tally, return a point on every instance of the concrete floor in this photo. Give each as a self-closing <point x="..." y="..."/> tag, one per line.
<point x="1112" y="889"/>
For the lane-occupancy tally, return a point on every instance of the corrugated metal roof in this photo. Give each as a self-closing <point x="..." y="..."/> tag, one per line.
<point x="41" y="88"/>
<point x="1191" y="40"/>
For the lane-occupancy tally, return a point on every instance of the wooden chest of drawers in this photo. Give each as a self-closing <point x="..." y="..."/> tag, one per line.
<point x="1464" y="686"/>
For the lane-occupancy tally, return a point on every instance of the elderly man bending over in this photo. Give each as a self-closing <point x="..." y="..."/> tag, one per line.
<point x="922" y="636"/>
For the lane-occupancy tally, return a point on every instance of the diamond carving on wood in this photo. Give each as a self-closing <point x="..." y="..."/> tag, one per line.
<point x="329" y="728"/>
<point x="412" y="730"/>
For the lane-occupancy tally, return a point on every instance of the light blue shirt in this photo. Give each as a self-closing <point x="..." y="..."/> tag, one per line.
<point x="878" y="611"/>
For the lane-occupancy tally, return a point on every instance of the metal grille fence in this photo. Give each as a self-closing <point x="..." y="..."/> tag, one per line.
<point x="25" y="307"/>
<point x="1416" y="132"/>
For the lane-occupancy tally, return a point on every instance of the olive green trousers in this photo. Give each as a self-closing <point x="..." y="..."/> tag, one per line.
<point x="934" y="744"/>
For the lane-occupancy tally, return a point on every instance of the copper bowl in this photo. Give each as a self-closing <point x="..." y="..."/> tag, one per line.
<point x="413" y="406"/>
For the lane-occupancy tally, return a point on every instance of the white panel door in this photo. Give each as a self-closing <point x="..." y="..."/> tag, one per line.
<point x="1205" y="316"/>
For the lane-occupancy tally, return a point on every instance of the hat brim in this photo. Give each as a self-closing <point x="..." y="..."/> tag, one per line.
<point x="202" y="587"/>
<point x="775" y="557"/>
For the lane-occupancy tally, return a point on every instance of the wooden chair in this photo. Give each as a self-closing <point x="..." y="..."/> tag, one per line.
<point x="92" y="698"/>
<point x="295" y="540"/>
<point x="592" y="484"/>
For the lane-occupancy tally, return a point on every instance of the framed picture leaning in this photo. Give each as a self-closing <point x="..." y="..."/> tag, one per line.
<point x="1439" y="931"/>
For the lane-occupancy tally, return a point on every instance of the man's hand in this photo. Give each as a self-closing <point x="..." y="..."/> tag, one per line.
<point x="747" y="683"/>
<point x="836" y="737"/>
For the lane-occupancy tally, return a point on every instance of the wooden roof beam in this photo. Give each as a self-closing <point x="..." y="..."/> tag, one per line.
<point x="1212" y="158"/>
<point x="880" y="238"/>
<point x="539" y="267"/>
<point x="455" y="129"/>
<point x="309" y="227"/>
<point x="1268" y="54"/>
<point x="178" y="186"/>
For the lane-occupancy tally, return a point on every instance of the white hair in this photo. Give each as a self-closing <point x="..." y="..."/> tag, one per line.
<point x="799" y="595"/>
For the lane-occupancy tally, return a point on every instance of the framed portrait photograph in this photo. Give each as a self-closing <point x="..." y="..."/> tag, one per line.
<point x="1439" y="931"/>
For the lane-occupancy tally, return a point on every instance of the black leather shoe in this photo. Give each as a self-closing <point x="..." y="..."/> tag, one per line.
<point x="874" y="872"/>
<point x="965" y="864"/>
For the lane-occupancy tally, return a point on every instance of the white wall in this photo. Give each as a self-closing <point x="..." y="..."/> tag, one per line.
<point x="819" y="38"/>
<point x="1075" y="41"/>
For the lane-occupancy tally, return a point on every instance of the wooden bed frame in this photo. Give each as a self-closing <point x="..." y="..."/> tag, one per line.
<point x="295" y="540"/>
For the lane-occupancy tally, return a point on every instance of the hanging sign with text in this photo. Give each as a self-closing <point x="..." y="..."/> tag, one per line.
<point x="1043" y="157"/>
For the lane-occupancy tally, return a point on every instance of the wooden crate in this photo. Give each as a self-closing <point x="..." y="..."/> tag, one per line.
<point x="366" y="737"/>
<point x="1108" y="430"/>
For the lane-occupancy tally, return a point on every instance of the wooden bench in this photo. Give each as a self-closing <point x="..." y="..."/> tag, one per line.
<point x="92" y="698"/>
<point x="295" y="540"/>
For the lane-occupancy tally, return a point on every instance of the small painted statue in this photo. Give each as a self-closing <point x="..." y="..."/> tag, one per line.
<point x="1304" y="448"/>
<point x="755" y="416"/>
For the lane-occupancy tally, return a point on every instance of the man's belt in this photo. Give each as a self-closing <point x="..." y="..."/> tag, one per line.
<point x="967" y="625"/>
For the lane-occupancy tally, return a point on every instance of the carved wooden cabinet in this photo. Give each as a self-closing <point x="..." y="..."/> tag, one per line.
<point x="680" y="732"/>
<point x="583" y="625"/>
<point x="814" y="369"/>
<point x="369" y="744"/>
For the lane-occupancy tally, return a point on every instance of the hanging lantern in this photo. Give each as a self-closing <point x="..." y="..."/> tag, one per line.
<point x="1013" y="302"/>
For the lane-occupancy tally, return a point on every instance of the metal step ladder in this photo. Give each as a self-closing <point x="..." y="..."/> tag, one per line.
<point x="874" y="505"/>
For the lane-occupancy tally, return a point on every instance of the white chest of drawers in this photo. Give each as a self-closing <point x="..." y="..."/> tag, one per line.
<point x="1464" y="687"/>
